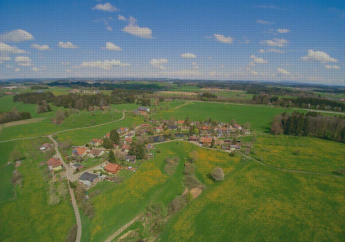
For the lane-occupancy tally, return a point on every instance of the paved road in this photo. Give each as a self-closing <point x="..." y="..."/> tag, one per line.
<point x="69" y="172"/>
<point x="117" y="233"/>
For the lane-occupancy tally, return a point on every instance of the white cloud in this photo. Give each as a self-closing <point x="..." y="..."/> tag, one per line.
<point x="18" y="35"/>
<point x="4" y="58"/>
<point x="35" y="69"/>
<point x="262" y="22"/>
<point x="283" y="71"/>
<point x="258" y="60"/>
<point x="195" y="65"/>
<point x="276" y="51"/>
<point x="261" y="51"/>
<point x="111" y="46"/>
<point x="40" y="47"/>
<point x="64" y="63"/>
<point x="318" y="56"/>
<point x="254" y="73"/>
<point x="223" y="39"/>
<point x="8" y="66"/>
<point x="188" y="56"/>
<point x="332" y="67"/>
<point x="109" y="28"/>
<point x="106" y="65"/>
<point x="283" y="31"/>
<point x="105" y="7"/>
<point x="17" y="69"/>
<point x="67" y="45"/>
<point x="122" y="18"/>
<point x="275" y="42"/>
<point x="68" y="70"/>
<point x="8" y="49"/>
<point x="23" y="61"/>
<point x="134" y="29"/>
<point x="158" y="63"/>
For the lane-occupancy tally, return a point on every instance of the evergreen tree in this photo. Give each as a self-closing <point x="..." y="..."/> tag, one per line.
<point x="107" y="143"/>
<point x="111" y="157"/>
<point x="114" y="136"/>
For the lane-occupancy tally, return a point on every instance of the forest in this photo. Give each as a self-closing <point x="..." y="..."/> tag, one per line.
<point x="310" y="124"/>
<point x="13" y="116"/>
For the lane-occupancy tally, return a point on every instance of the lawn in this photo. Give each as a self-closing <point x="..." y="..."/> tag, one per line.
<point x="300" y="153"/>
<point x="259" y="116"/>
<point x="27" y="216"/>
<point x="257" y="203"/>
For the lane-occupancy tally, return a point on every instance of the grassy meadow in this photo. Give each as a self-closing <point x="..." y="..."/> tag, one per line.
<point x="25" y="212"/>
<point x="300" y="153"/>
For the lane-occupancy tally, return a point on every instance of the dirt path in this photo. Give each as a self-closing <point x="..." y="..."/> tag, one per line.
<point x="117" y="233"/>
<point x="123" y="116"/>
<point x="183" y="104"/>
<point x="69" y="174"/>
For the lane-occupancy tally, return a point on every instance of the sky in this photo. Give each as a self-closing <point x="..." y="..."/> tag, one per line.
<point x="299" y="41"/>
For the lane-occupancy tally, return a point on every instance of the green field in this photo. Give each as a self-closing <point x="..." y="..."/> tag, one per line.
<point x="25" y="214"/>
<point x="259" y="117"/>
<point x="300" y="153"/>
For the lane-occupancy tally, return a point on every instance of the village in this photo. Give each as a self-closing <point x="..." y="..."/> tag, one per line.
<point x="125" y="148"/>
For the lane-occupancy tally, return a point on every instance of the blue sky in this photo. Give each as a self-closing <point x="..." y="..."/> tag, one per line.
<point x="300" y="41"/>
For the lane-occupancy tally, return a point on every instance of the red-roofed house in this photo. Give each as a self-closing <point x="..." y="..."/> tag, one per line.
<point x="125" y="148"/>
<point x="97" y="142"/>
<point x="112" y="168"/>
<point x="206" y="140"/>
<point x="79" y="151"/>
<point x="180" y="122"/>
<point x="54" y="164"/>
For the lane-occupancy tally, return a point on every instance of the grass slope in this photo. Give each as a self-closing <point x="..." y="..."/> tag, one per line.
<point x="28" y="217"/>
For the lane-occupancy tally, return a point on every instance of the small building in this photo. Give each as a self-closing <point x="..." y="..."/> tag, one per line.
<point x="95" y="153"/>
<point x="78" y="166"/>
<point x="131" y="158"/>
<point x="180" y="122"/>
<point x="79" y="151"/>
<point x="122" y="130"/>
<point x="107" y="135"/>
<point x="172" y="127"/>
<point x="128" y="140"/>
<point x="88" y="178"/>
<point x="45" y="146"/>
<point x="112" y="168"/>
<point x="193" y="138"/>
<point x="185" y="128"/>
<point x="144" y="109"/>
<point x="54" y="164"/>
<point x="125" y="148"/>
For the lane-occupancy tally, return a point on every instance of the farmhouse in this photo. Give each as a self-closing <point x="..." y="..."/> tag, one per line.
<point x="88" y="178"/>
<point x="79" y="151"/>
<point x="54" y="164"/>
<point x="131" y="158"/>
<point x="112" y="168"/>
<point x="207" y="140"/>
<point x="95" y="153"/>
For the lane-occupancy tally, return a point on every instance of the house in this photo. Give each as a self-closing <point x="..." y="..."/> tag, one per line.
<point x="96" y="142"/>
<point x="115" y="146"/>
<point x="141" y="132"/>
<point x="131" y="158"/>
<point x="159" y="129"/>
<point x="128" y="140"/>
<point x="185" y="128"/>
<point x="172" y="127"/>
<point x="88" y="178"/>
<point x="79" y="151"/>
<point x="180" y="122"/>
<point x="125" y="148"/>
<point x="122" y="130"/>
<point x="235" y="147"/>
<point x="144" y="109"/>
<point x="145" y="125"/>
<point x="129" y="135"/>
<point x="77" y="166"/>
<point x="149" y="146"/>
<point x="45" y="146"/>
<point x="112" y="168"/>
<point x="193" y="138"/>
<point x="237" y="126"/>
<point x="54" y="164"/>
<point x="205" y="128"/>
<point x="95" y="153"/>
<point x="207" y="140"/>
<point x="107" y="135"/>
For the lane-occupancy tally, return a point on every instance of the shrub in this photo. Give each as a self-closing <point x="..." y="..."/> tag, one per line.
<point x="218" y="174"/>
<point x="192" y="182"/>
<point x="177" y="204"/>
<point x="72" y="234"/>
<point x="189" y="170"/>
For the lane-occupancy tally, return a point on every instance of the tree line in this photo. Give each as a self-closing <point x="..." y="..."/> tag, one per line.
<point x="310" y="124"/>
<point x="33" y="97"/>
<point x="302" y="102"/>
<point x="13" y="116"/>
